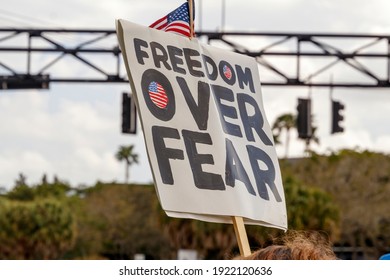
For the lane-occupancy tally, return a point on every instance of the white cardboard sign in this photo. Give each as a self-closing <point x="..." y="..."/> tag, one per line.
<point x="209" y="144"/>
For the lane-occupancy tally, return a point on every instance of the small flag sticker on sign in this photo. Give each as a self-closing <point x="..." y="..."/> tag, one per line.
<point x="227" y="72"/>
<point x="158" y="95"/>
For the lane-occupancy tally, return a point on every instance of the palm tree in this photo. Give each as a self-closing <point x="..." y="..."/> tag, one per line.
<point x="127" y="154"/>
<point x="283" y="122"/>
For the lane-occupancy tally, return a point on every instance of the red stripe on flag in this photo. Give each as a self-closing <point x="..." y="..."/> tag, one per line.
<point x="182" y="28"/>
<point x="159" y="96"/>
<point x="160" y="24"/>
<point x="179" y="24"/>
<point x="159" y="103"/>
<point x="179" y="31"/>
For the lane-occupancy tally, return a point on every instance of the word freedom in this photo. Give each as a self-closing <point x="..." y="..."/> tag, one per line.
<point x="232" y="108"/>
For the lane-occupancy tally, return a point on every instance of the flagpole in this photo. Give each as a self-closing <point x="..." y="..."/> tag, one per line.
<point x="191" y="9"/>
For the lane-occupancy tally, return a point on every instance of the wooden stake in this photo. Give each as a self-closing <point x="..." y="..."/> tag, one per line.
<point x="191" y="9"/>
<point x="242" y="238"/>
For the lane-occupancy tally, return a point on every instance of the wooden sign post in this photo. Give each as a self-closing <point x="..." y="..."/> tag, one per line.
<point x="242" y="238"/>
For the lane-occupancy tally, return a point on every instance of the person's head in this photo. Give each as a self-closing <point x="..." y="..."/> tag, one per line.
<point x="295" y="245"/>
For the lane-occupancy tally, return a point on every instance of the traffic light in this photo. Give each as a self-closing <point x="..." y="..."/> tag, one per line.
<point x="22" y="81"/>
<point x="304" y="118"/>
<point x="337" y="107"/>
<point x="129" y="114"/>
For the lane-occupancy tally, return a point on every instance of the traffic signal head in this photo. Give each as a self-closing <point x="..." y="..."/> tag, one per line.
<point x="337" y="107"/>
<point x="304" y="118"/>
<point x="129" y="115"/>
<point x="22" y="81"/>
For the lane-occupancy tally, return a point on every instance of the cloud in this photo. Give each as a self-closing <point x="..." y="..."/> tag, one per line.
<point x="382" y="143"/>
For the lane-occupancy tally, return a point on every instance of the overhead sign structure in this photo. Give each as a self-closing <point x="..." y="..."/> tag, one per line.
<point x="209" y="144"/>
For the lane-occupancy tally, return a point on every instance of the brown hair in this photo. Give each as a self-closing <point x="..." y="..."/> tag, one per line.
<point x="296" y="245"/>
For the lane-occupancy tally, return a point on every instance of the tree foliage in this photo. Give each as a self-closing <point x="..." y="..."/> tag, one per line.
<point x="41" y="229"/>
<point x="118" y="221"/>
<point x="310" y="208"/>
<point x="359" y="182"/>
<point x="22" y="192"/>
<point x="343" y="195"/>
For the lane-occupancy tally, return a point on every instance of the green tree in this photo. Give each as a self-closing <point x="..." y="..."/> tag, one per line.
<point x="359" y="183"/>
<point x="58" y="188"/>
<point x="310" y="208"/>
<point x="126" y="154"/>
<point x="117" y="222"/>
<point x="21" y="191"/>
<point x="284" y="122"/>
<point x="39" y="229"/>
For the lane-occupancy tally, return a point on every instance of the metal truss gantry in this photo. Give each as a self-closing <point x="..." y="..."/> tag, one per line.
<point x="37" y="57"/>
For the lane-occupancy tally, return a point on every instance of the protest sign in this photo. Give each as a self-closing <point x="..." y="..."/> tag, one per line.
<point x="209" y="144"/>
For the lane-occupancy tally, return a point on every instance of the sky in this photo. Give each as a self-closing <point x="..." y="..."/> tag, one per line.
<point x="72" y="130"/>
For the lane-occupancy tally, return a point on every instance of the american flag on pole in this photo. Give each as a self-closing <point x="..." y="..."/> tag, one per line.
<point x="177" y="21"/>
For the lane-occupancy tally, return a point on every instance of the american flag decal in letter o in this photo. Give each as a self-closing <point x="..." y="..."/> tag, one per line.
<point x="227" y="72"/>
<point x="157" y="95"/>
